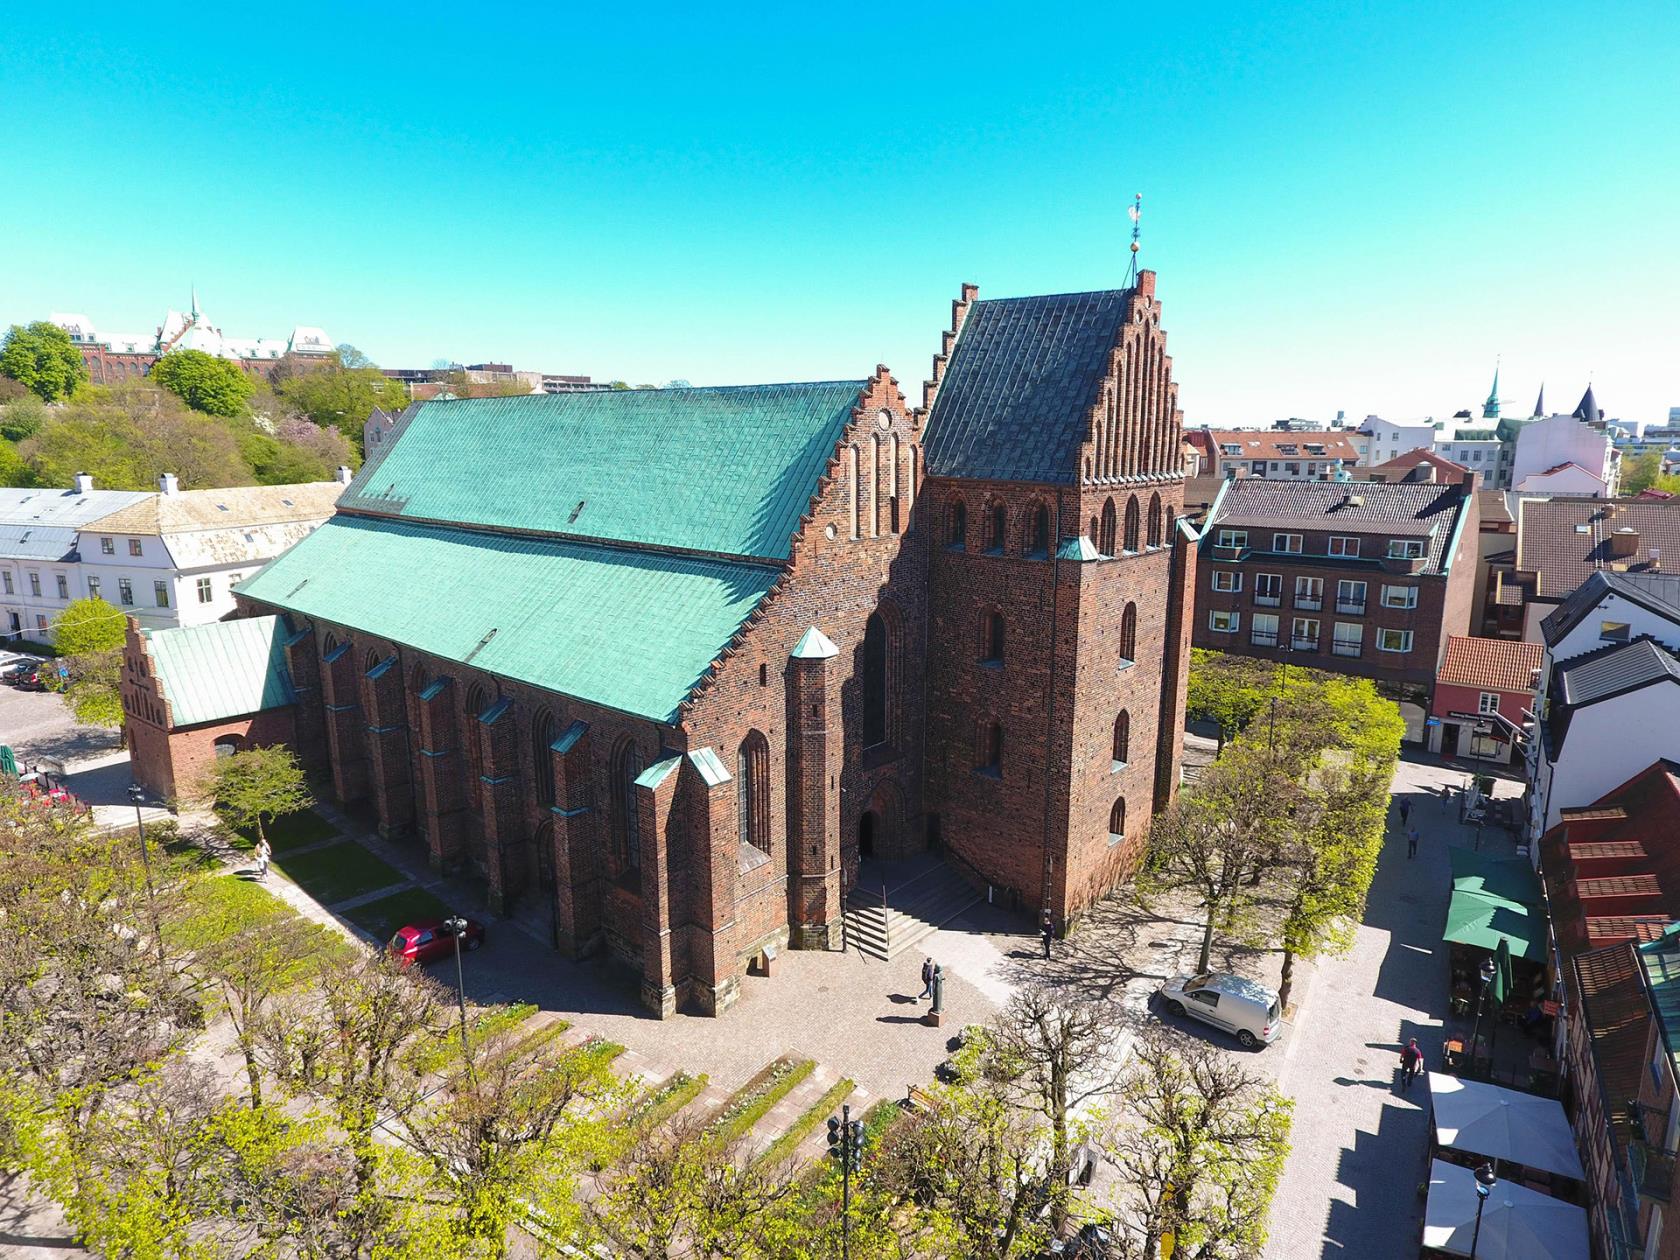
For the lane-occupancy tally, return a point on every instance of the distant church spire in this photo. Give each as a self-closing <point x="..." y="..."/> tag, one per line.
<point x="195" y="303"/>
<point x="1490" y="409"/>
<point x="1540" y="402"/>
<point x="1135" y="212"/>
<point x="1587" y="408"/>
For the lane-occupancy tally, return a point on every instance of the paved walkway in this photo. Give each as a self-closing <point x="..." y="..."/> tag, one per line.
<point x="1350" y="1188"/>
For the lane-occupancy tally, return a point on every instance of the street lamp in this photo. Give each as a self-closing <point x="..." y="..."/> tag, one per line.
<point x="845" y="1143"/>
<point x="1486" y="1180"/>
<point x="137" y="794"/>
<point x="1476" y="1028"/>
<point x="456" y="926"/>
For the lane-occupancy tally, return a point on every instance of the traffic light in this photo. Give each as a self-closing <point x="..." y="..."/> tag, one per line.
<point x="834" y="1137"/>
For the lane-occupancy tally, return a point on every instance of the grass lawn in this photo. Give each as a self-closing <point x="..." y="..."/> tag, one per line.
<point x="291" y="832"/>
<point x="337" y="872"/>
<point x="385" y="915"/>
<point x="218" y="906"/>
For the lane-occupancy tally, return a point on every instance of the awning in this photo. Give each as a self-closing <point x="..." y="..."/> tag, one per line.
<point x="1495" y="899"/>
<point x="1517" y="1223"/>
<point x="1503" y="1124"/>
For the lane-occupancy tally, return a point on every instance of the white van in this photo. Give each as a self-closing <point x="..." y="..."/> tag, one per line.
<point x="1246" y="1009"/>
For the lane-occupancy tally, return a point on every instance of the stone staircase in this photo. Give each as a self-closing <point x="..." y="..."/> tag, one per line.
<point x="914" y="908"/>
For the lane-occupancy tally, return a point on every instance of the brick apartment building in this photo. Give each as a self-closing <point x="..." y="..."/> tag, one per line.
<point x="1357" y="577"/>
<point x="679" y="660"/>
<point x="111" y="357"/>
<point x="1279" y="454"/>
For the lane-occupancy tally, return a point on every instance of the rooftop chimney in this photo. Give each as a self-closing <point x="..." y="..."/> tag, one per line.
<point x="1624" y="542"/>
<point x="343" y="474"/>
<point x="84" y="483"/>
<point x="167" y="484"/>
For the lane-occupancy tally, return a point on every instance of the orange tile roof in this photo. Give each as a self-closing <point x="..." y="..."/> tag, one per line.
<point x="1491" y="664"/>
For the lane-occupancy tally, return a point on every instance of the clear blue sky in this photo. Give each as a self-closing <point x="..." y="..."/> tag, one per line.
<point x="1350" y="206"/>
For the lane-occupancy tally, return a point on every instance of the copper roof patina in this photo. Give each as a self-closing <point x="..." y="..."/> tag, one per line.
<point x="222" y="669"/>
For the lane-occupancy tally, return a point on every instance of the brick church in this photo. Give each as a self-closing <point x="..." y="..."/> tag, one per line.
<point x="677" y="661"/>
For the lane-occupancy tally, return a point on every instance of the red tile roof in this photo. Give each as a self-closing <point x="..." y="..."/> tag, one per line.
<point x="1617" y="1019"/>
<point x="1490" y="664"/>
<point x="1446" y="470"/>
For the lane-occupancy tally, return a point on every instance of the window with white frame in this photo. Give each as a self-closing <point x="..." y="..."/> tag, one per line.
<point x="125" y="592"/>
<point x="1287" y="544"/>
<point x="108" y="546"/>
<point x="1268" y="589"/>
<point x="1263" y="630"/>
<point x="1309" y="593"/>
<point x="1394" y="640"/>
<point x="40" y="621"/>
<point x="1405" y="549"/>
<point x="160" y="594"/>
<point x="1232" y="538"/>
<point x="63" y="585"/>
<point x="1350" y="596"/>
<point x="1488" y="702"/>
<point x="93" y="587"/>
<point x="1227" y="580"/>
<point x="1342" y="545"/>
<point x="35" y="585"/>
<point x="1224" y="622"/>
<point x="134" y="546"/>
<point x="1349" y="639"/>
<point x="1399" y="596"/>
<point x="204" y="591"/>
<point x="6" y="578"/>
<point x="1303" y="634"/>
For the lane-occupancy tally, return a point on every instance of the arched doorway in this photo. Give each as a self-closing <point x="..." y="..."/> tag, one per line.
<point x="866" y="834"/>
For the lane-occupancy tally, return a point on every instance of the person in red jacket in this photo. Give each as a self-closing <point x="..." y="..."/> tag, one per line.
<point x="1411" y="1063"/>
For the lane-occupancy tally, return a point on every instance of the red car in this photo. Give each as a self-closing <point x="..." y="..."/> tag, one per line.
<point x="428" y="940"/>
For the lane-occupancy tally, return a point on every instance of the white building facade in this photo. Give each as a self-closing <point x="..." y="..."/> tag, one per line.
<point x="40" y="563"/>
<point x="1546" y="447"/>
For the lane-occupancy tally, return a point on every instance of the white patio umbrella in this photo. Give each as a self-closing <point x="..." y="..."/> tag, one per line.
<point x="1517" y="1223"/>
<point x="1503" y="1124"/>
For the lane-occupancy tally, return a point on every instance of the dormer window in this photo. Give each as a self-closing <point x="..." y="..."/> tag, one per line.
<point x="1405" y="549"/>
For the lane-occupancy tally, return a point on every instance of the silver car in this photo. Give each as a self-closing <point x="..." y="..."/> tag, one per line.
<point x="1247" y="1010"/>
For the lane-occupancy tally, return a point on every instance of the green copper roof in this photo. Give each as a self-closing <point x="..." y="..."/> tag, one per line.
<point x="630" y="630"/>
<point x="1660" y="960"/>
<point x="728" y="470"/>
<point x="1490" y="409"/>
<point x="223" y="669"/>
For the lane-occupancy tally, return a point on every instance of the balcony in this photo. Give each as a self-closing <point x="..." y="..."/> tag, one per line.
<point x="1264" y="638"/>
<point x="1308" y="603"/>
<point x="1351" y="607"/>
<point x="1267" y="601"/>
<point x="1345" y="649"/>
<point x="1298" y="644"/>
<point x="1653" y="1170"/>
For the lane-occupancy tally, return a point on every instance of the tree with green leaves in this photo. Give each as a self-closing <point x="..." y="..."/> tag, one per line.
<point x="518" y="1119"/>
<point x="1217" y="840"/>
<point x="125" y="435"/>
<point x="334" y="395"/>
<point x="215" y="386"/>
<point x="89" y="636"/>
<point x="42" y="358"/>
<point x="257" y="785"/>
<point x="22" y="418"/>
<point x="1228" y="690"/>
<point x="1200" y="1143"/>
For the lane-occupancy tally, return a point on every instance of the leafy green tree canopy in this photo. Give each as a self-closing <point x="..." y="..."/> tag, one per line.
<point x="205" y="383"/>
<point x="339" y="396"/>
<point x="90" y="625"/>
<point x="126" y="435"/>
<point x="42" y="358"/>
<point x="258" y="785"/>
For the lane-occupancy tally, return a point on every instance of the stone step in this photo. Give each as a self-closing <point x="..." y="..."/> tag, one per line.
<point x="814" y="1147"/>
<point x="781" y="1116"/>
<point x="914" y="910"/>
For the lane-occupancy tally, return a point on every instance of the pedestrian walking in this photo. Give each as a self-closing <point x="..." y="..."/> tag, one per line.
<point x="1411" y="843"/>
<point x="263" y="852"/>
<point x="1046" y="929"/>
<point x="1411" y="1063"/>
<point x="927" y="979"/>
<point x="1405" y="811"/>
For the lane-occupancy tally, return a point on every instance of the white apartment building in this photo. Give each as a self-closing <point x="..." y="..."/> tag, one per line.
<point x="1608" y="693"/>
<point x="169" y="558"/>
<point x="173" y="558"/>
<point x="40" y="569"/>
<point x="1545" y="448"/>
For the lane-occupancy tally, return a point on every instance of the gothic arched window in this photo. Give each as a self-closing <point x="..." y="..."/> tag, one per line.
<point x="1105" y="543"/>
<point x="752" y="791"/>
<point x="1038" y="533"/>
<point x="542" y="756"/>
<point x="626" y="820"/>
<point x="1128" y="634"/>
<point x="1123" y="737"/>
<point x="874" y="681"/>
<point x="956" y="524"/>
<point x="1132" y="523"/>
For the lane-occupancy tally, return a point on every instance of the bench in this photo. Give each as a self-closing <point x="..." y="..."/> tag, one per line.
<point x="918" y="1099"/>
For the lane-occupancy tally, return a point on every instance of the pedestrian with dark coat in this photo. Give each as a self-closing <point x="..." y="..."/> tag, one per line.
<point x="1411" y="1063"/>
<point x="1046" y="929"/>
<point x="1405" y="811"/>
<point x="927" y="979"/>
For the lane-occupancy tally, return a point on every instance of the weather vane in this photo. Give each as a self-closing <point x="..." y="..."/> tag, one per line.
<point x="1135" y="210"/>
